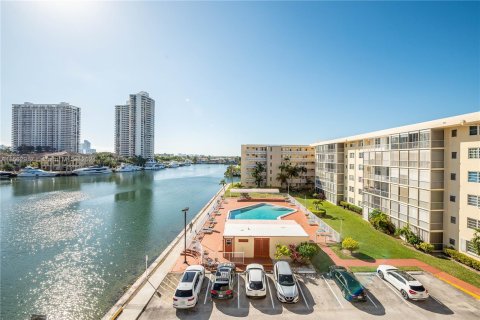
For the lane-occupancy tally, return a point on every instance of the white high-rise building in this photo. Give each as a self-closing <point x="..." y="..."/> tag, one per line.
<point x="46" y="127"/>
<point x="135" y="126"/>
<point x="86" y="147"/>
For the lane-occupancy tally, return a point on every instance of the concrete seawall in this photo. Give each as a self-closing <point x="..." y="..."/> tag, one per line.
<point x="132" y="303"/>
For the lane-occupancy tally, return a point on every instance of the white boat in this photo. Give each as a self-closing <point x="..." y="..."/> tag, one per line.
<point x="30" y="172"/>
<point x="125" y="168"/>
<point x="137" y="168"/>
<point x="173" y="164"/>
<point x="152" y="165"/>
<point x="93" y="170"/>
<point x="187" y="163"/>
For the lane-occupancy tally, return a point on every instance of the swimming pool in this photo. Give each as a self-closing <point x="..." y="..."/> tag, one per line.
<point x="261" y="211"/>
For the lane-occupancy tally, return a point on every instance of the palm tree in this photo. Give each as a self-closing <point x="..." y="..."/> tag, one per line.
<point x="230" y="172"/>
<point x="282" y="177"/>
<point x="257" y="173"/>
<point x="223" y="183"/>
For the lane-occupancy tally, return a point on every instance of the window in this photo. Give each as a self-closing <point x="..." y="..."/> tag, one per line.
<point x="351" y="189"/>
<point x="352" y="155"/>
<point x="453" y="220"/>
<point x="359" y="179"/>
<point x="470" y="247"/>
<point x="451" y="241"/>
<point x="453" y="176"/>
<point x="352" y="166"/>
<point x="360" y="155"/>
<point x="360" y="167"/>
<point x="473" y="130"/>
<point x="351" y="178"/>
<point x="473" y="223"/>
<point x="473" y="200"/>
<point x="242" y="240"/>
<point x="360" y="191"/>
<point x="454" y="155"/>
<point x="473" y="153"/>
<point x="351" y="200"/>
<point x="454" y="133"/>
<point x="474" y="176"/>
<point x="452" y="198"/>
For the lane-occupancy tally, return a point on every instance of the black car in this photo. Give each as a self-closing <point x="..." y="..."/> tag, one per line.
<point x="351" y="288"/>
<point x="224" y="282"/>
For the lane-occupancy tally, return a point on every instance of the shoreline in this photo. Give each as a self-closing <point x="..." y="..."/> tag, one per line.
<point x="139" y="293"/>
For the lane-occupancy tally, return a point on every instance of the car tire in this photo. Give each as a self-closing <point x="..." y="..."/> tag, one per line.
<point x="404" y="294"/>
<point x="380" y="274"/>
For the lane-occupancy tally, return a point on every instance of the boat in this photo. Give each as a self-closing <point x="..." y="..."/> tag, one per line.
<point x="187" y="163"/>
<point x="31" y="172"/>
<point x="137" y="168"/>
<point x="153" y="165"/>
<point x="125" y="168"/>
<point x="173" y="164"/>
<point x="7" y="175"/>
<point x="93" y="170"/>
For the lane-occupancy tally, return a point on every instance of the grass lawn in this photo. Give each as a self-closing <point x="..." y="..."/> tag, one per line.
<point x="377" y="245"/>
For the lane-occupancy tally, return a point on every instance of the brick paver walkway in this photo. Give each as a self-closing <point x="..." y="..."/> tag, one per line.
<point x="460" y="284"/>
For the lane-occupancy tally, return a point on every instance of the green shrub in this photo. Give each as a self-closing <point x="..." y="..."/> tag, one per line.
<point x="409" y="235"/>
<point x="282" y="251"/>
<point x="462" y="258"/>
<point x="350" y="244"/>
<point x="381" y="222"/>
<point x="426" y="247"/>
<point x="307" y="250"/>
<point x="350" y="207"/>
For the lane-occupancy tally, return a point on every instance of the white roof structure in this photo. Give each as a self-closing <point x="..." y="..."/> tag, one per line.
<point x="255" y="190"/>
<point x="263" y="228"/>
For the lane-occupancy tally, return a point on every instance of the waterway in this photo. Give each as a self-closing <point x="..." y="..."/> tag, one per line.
<point x="70" y="246"/>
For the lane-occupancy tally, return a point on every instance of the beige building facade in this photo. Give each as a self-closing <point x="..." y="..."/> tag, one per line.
<point x="272" y="156"/>
<point x="425" y="175"/>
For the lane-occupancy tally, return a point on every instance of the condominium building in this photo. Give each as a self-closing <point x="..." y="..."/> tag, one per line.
<point x="86" y="147"/>
<point x="271" y="157"/>
<point x="135" y="126"/>
<point x="426" y="175"/>
<point x="45" y="127"/>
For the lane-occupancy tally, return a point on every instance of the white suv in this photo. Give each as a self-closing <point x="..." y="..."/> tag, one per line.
<point x="255" y="281"/>
<point x="409" y="287"/>
<point x="188" y="290"/>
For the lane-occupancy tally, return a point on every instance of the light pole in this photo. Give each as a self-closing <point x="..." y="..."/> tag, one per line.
<point x="185" y="210"/>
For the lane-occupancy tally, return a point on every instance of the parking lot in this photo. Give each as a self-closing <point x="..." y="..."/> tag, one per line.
<point x="320" y="297"/>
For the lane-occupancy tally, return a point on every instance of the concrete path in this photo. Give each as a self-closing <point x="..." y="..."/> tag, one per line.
<point x="457" y="283"/>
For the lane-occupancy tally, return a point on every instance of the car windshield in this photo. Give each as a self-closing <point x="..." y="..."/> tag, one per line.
<point x="183" y="293"/>
<point x="405" y="275"/>
<point x="286" y="280"/>
<point x="417" y="288"/>
<point x="220" y="286"/>
<point x="256" y="285"/>
<point x="188" y="276"/>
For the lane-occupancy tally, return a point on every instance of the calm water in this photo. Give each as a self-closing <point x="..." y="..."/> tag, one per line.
<point x="260" y="212"/>
<point x="70" y="245"/>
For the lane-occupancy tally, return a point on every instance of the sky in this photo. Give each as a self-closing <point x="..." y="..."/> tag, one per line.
<point x="229" y="73"/>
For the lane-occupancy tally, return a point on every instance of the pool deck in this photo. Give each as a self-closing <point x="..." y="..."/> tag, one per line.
<point x="213" y="243"/>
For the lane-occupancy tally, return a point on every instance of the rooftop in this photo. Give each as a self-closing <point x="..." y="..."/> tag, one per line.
<point x="259" y="228"/>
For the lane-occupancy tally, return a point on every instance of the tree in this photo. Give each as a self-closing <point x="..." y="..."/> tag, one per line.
<point x="281" y="251"/>
<point x="476" y="241"/>
<point x="289" y="171"/>
<point x="223" y="183"/>
<point x="381" y="221"/>
<point x="257" y="173"/>
<point x="230" y="173"/>
<point x="350" y="244"/>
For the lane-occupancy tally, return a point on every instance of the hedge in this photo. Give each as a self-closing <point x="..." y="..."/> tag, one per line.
<point x="351" y="207"/>
<point x="462" y="258"/>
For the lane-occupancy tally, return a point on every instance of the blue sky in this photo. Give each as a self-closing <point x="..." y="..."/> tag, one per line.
<point x="224" y="73"/>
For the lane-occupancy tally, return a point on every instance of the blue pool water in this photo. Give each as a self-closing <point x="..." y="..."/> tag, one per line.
<point x="262" y="211"/>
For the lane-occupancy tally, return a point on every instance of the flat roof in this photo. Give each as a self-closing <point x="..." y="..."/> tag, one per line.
<point x="259" y="190"/>
<point x="263" y="228"/>
<point x="462" y="119"/>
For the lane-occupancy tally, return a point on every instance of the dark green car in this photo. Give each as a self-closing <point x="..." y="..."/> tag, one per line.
<point x="351" y="288"/>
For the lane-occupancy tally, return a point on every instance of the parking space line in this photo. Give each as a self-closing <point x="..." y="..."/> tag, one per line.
<point x="341" y="305"/>
<point x="270" y="292"/>
<point x="372" y="301"/>
<point x="171" y="282"/>
<point x="206" y="292"/>
<point x="238" y="291"/>
<point x="394" y="290"/>
<point x="169" y="286"/>
<point x="301" y="291"/>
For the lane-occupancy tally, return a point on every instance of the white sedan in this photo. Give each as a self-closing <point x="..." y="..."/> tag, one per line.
<point x="256" y="281"/>
<point x="409" y="287"/>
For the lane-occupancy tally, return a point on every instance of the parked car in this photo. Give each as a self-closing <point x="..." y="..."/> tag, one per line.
<point x="409" y="287"/>
<point x="256" y="281"/>
<point x="188" y="290"/>
<point x="285" y="284"/>
<point x="224" y="282"/>
<point x="351" y="288"/>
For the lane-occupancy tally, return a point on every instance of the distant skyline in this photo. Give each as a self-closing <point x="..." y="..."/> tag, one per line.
<point x="229" y="73"/>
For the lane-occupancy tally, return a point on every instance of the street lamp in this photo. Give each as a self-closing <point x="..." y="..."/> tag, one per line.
<point x="185" y="234"/>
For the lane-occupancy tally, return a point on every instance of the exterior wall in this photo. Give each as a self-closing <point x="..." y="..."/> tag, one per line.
<point x="272" y="157"/>
<point x="406" y="173"/>
<point x="48" y="125"/>
<point x="135" y="127"/>
<point x="458" y="211"/>
<point x="248" y="247"/>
